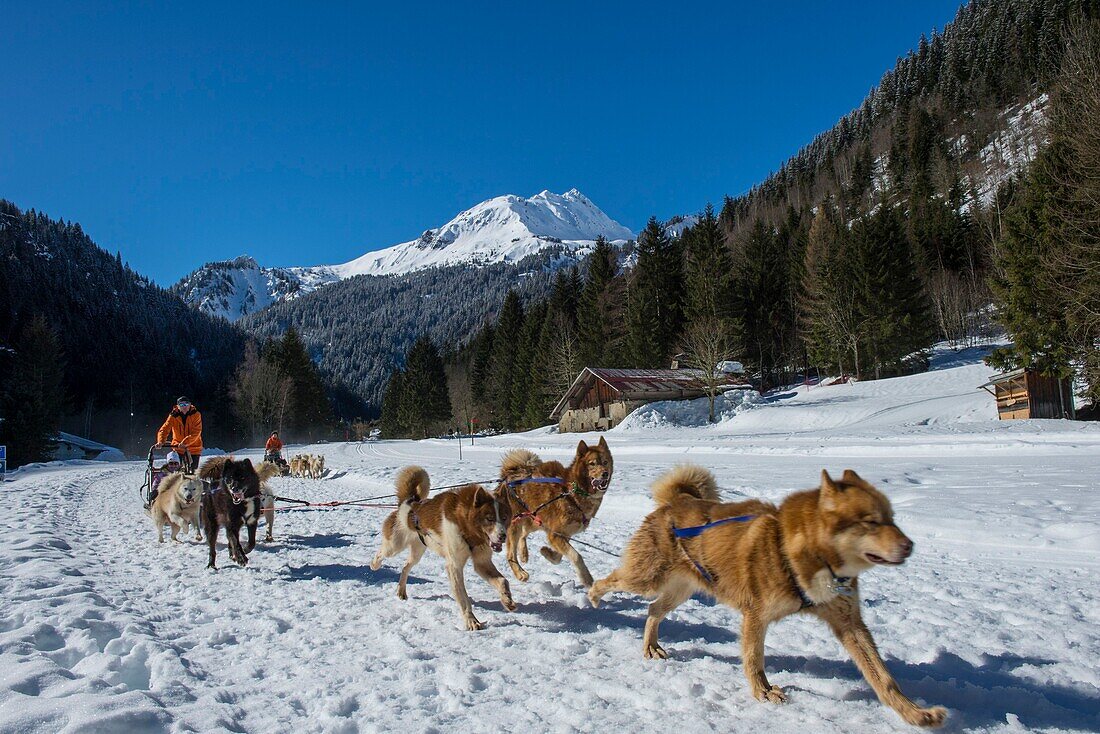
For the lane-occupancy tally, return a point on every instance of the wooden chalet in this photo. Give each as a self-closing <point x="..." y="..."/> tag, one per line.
<point x="1024" y="393"/>
<point x="600" y="398"/>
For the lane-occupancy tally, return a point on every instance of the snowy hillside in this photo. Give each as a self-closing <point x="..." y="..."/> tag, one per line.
<point x="235" y="288"/>
<point x="505" y="229"/>
<point x="996" y="615"/>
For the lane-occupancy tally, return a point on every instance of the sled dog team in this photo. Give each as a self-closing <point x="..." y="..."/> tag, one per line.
<point x="307" y="466"/>
<point x="767" y="561"/>
<point x="180" y="503"/>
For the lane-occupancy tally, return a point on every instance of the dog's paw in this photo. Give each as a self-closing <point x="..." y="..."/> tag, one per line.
<point x="269" y="539"/>
<point x="521" y="575"/>
<point x="929" y="717"/>
<point x="472" y="625"/>
<point x="655" y="652"/>
<point x="508" y="604"/>
<point x="550" y="554"/>
<point x="594" y="598"/>
<point x="772" y="694"/>
<point x="402" y="595"/>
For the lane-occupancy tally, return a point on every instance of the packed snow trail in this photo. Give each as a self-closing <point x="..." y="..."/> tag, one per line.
<point x="996" y="615"/>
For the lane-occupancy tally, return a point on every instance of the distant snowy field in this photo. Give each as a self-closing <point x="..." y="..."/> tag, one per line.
<point x="996" y="616"/>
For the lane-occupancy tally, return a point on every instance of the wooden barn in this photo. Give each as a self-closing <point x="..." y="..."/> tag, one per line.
<point x="1024" y="393"/>
<point x="600" y="398"/>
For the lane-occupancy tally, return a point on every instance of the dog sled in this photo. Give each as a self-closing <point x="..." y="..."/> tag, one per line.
<point x="156" y="469"/>
<point x="277" y="459"/>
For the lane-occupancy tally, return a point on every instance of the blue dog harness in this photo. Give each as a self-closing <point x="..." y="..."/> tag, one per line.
<point x="697" y="530"/>
<point x="700" y="529"/>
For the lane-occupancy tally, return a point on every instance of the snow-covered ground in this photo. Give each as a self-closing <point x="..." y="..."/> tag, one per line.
<point x="996" y="616"/>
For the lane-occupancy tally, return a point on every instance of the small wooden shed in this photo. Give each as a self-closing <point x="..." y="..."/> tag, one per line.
<point x="1024" y="393"/>
<point x="600" y="398"/>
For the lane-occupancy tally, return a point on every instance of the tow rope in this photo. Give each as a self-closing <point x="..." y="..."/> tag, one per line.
<point x="363" y="502"/>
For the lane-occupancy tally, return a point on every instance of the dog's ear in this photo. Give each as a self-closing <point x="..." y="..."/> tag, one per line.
<point x="850" y="477"/>
<point x="603" y="443"/>
<point x="582" y="448"/>
<point x="482" y="496"/>
<point x="829" y="491"/>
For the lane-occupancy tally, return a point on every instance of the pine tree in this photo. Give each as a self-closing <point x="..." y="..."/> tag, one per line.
<point x="309" y="406"/>
<point x="655" y="298"/>
<point x="826" y="312"/>
<point x="595" y="314"/>
<point x="708" y="271"/>
<point x="425" y="397"/>
<point x="1027" y="305"/>
<point x="895" y="314"/>
<point x="530" y="368"/>
<point x="34" y="396"/>
<point x="482" y="348"/>
<point x="760" y="300"/>
<point x="392" y="426"/>
<point x="502" y="373"/>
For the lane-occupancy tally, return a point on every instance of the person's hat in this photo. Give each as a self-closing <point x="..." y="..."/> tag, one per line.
<point x="173" y="456"/>
<point x="181" y="399"/>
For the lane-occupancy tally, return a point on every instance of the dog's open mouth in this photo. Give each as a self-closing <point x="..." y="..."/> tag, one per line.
<point x="882" y="561"/>
<point x="600" y="485"/>
<point x="237" y="495"/>
<point x="496" y="546"/>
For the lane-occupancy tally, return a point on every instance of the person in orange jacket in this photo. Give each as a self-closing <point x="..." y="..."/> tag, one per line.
<point x="274" y="447"/>
<point x="183" y="427"/>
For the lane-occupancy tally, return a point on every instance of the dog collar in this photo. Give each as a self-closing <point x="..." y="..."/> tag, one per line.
<point x="840" y="585"/>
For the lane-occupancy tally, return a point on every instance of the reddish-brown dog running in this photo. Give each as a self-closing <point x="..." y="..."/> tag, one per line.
<point x="769" y="563"/>
<point x="470" y="522"/>
<point x="561" y="508"/>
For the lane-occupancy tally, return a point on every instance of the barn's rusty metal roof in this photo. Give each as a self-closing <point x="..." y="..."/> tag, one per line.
<point x="647" y="380"/>
<point x="638" y="383"/>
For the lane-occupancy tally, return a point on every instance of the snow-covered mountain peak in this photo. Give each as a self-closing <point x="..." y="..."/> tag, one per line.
<point x="502" y="229"/>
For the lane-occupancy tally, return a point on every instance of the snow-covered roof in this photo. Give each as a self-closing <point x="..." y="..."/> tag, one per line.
<point x="632" y="384"/>
<point x="84" y="443"/>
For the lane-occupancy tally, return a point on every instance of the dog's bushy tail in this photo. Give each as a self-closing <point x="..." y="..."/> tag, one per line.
<point x="519" y="464"/>
<point x="412" y="484"/>
<point x="686" y="479"/>
<point x="211" y="469"/>
<point x="268" y="470"/>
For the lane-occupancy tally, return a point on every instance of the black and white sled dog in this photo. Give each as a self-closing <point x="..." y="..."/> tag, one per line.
<point x="232" y="500"/>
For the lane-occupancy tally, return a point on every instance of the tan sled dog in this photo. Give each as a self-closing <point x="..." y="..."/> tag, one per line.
<point x="268" y="470"/>
<point x="562" y="507"/>
<point x="316" y="466"/>
<point x="465" y="523"/>
<point x="177" y="504"/>
<point x="769" y="563"/>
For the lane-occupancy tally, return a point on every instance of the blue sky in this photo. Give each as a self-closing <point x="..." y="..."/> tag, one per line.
<point x="307" y="135"/>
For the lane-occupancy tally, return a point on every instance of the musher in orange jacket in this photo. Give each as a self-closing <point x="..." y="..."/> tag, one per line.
<point x="183" y="427"/>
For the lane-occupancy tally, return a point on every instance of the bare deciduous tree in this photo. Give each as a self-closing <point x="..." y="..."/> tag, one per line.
<point x="705" y="345"/>
<point x="260" y="394"/>
<point x="959" y="302"/>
